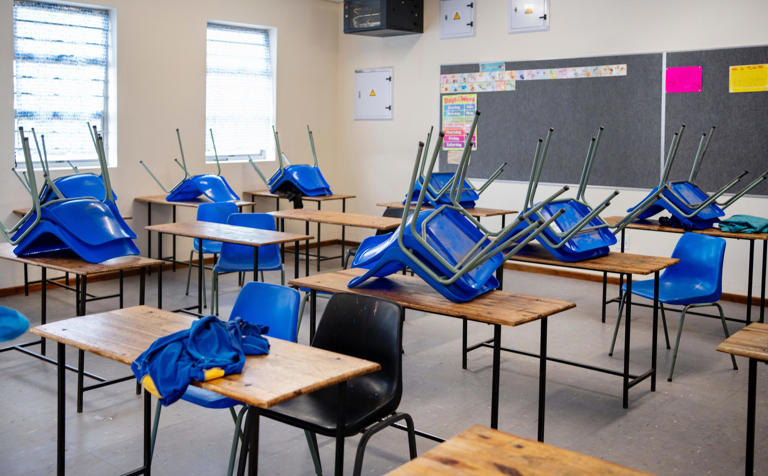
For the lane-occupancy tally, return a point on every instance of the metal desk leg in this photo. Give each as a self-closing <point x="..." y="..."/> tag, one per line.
<point x="159" y="245"/>
<point x="495" y="378"/>
<point x="173" y="242"/>
<point x="339" y="469"/>
<point x="751" y="400"/>
<point x="149" y="232"/>
<point x="343" y="230"/>
<point x="43" y="303"/>
<point x="655" y="332"/>
<point x="500" y="276"/>
<point x="200" y="276"/>
<point x="749" y="279"/>
<point x="250" y="448"/>
<point x="26" y="279"/>
<point x="280" y="226"/>
<point x="160" y="286"/>
<point x="148" y="432"/>
<point x="295" y="260"/>
<point x="464" y="343"/>
<point x="120" y="298"/>
<point x="762" y="283"/>
<point x="306" y="251"/>
<point x="605" y="292"/>
<point x="143" y="285"/>
<point x="542" y="377"/>
<point x="60" y="417"/>
<point x="312" y="314"/>
<point x="627" y="326"/>
<point x="318" y="241"/>
<point x="80" y="352"/>
<point x="255" y="263"/>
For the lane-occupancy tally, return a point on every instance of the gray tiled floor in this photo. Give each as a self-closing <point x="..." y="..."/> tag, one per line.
<point x="693" y="425"/>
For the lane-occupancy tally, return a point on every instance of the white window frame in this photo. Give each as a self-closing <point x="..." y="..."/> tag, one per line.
<point x="109" y="126"/>
<point x="269" y="151"/>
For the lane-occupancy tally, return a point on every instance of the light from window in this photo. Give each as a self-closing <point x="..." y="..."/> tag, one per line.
<point x="239" y="101"/>
<point x="60" y="63"/>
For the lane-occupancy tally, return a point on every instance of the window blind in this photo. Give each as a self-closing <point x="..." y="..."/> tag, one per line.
<point x="61" y="55"/>
<point x="239" y="93"/>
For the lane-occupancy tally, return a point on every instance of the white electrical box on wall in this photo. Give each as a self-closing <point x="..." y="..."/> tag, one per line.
<point x="373" y="94"/>
<point x="457" y="18"/>
<point x="528" y="15"/>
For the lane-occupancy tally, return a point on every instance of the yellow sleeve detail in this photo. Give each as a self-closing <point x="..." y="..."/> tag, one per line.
<point x="213" y="373"/>
<point x="149" y="386"/>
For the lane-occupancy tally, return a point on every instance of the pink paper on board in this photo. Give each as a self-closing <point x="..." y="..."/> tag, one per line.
<point x="684" y="79"/>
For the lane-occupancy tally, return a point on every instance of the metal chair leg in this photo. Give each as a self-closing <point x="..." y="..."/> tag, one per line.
<point x="215" y="293"/>
<point x="159" y="406"/>
<point x="367" y="434"/>
<point x="303" y="302"/>
<point x="618" y="321"/>
<point x="189" y="271"/>
<point x="664" y="322"/>
<point x="235" y="438"/>
<point x="677" y="343"/>
<point x="314" y="451"/>
<point x="725" y="331"/>
<point x="282" y="276"/>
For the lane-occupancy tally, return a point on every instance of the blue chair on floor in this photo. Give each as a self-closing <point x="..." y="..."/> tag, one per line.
<point x="239" y="258"/>
<point x="696" y="281"/>
<point x="266" y="304"/>
<point x="12" y="324"/>
<point x="215" y="212"/>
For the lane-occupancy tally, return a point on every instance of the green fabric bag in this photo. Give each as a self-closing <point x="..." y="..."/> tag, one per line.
<point x="744" y="224"/>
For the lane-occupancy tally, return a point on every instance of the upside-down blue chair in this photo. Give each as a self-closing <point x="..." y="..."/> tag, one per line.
<point x="239" y="258"/>
<point x="12" y="324"/>
<point x="215" y="212"/>
<point x="92" y="229"/>
<point x="445" y="246"/>
<point x="192" y="187"/>
<point x="691" y="208"/>
<point x="265" y="304"/>
<point x="293" y="181"/>
<point x="696" y="281"/>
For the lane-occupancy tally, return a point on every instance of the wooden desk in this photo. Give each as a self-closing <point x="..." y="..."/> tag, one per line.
<point x="239" y="235"/>
<point x="654" y="225"/>
<point x="752" y="343"/>
<point x="622" y="263"/>
<point x="356" y="220"/>
<point x="477" y="212"/>
<point x="161" y="201"/>
<point x="498" y="308"/>
<point x="483" y="451"/>
<point x="71" y="263"/>
<point x="289" y="370"/>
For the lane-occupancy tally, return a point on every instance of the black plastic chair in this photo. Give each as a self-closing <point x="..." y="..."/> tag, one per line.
<point x="368" y="328"/>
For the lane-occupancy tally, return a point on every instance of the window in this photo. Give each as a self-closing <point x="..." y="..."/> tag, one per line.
<point x="61" y="68"/>
<point x="240" y="93"/>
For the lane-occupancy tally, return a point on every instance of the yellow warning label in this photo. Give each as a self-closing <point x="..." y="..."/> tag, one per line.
<point x="372" y="93"/>
<point x="457" y="16"/>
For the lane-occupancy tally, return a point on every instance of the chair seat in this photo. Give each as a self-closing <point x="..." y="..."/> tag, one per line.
<point x="210" y="247"/>
<point x="677" y="292"/>
<point x="318" y="411"/>
<point x="207" y="399"/>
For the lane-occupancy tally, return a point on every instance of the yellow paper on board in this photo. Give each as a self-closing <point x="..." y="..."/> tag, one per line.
<point x="748" y="78"/>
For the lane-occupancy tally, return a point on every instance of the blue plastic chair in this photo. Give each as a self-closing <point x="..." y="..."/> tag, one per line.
<point x="216" y="212"/>
<point x="696" y="281"/>
<point x="12" y="323"/>
<point x="215" y="187"/>
<point x="239" y="258"/>
<point x="261" y="303"/>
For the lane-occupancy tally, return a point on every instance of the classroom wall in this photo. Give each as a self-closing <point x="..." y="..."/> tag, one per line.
<point x="161" y="86"/>
<point x="379" y="154"/>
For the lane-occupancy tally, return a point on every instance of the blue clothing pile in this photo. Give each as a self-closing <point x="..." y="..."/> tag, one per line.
<point x="209" y="349"/>
<point x="745" y="224"/>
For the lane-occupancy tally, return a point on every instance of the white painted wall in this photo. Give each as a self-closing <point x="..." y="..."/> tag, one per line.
<point x="161" y="86"/>
<point x="379" y="155"/>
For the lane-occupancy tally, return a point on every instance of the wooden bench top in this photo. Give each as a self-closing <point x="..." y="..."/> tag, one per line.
<point x="339" y="218"/>
<point x="613" y="262"/>
<point x="320" y="198"/>
<point x="654" y="225"/>
<point x="69" y="262"/>
<point x="289" y="370"/>
<point x="160" y="200"/>
<point x="483" y="451"/>
<point x="240" y="235"/>
<point x="477" y="212"/>
<point x="751" y="342"/>
<point x="496" y="307"/>
<point x="23" y="211"/>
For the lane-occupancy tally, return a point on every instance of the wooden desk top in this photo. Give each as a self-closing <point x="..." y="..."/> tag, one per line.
<point x="320" y="198"/>
<point x="496" y="307"/>
<point x="339" y="218"/>
<point x="23" y="211"/>
<point x="751" y="341"/>
<point x="654" y="225"/>
<point x="240" y="235"/>
<point x="69" y="262"/>
<point x="160" y="200"/>
<point x="482" y="451"/>
<point x="477" y="212"/>
<point x="289" y="370"/>
<point x="626" y="263"/>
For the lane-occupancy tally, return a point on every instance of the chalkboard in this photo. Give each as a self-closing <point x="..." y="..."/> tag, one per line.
<point x="740" y="141"/>
<point x="628" y="106"/>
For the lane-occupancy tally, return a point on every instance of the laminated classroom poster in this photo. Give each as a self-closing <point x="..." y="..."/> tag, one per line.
<point x="458" y="113"/>
<point x="748" y="78"/>
<point x="684" y="79"/>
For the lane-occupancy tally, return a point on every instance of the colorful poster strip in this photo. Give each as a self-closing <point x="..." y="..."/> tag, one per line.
<point x="601" y="71"/>
<point x="500" y="66"/>
<point x="488" y="81"/>
<point x="748" y="78"/>
<point x="684" y="79"/>
<point x="458" y="113"/>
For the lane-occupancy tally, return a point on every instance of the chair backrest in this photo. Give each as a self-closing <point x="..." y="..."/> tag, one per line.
<point x="368" y="328"/>
<point x="701" y="259"/>
<point x="269" y="305"/>
<point x="262" y="221"/>
<point x="216" y="212"/>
